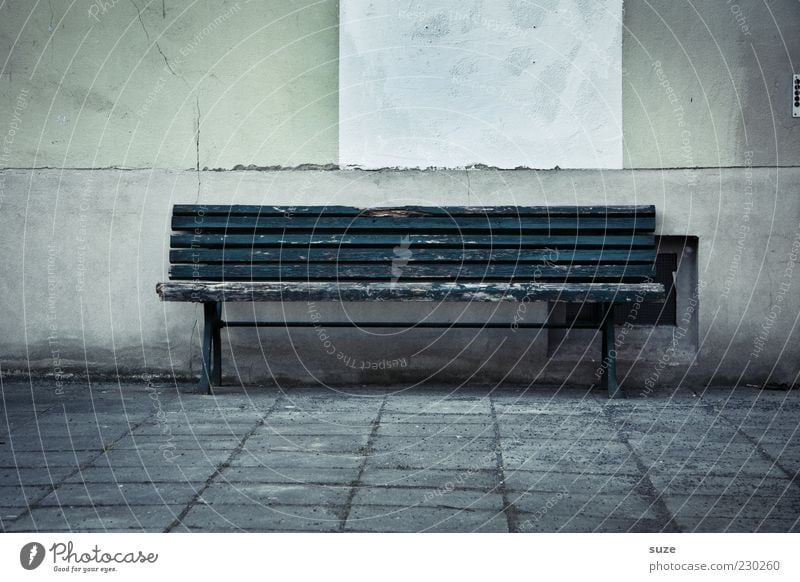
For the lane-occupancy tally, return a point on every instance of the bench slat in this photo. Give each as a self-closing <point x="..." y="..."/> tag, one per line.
<point x="384" y="272"/>
<point x="199" y="210"/>
<point x="327" y="291"/>
<point x="490" y="224"/>
<point x="408" y="254"/>
<point x="212" y="241"/>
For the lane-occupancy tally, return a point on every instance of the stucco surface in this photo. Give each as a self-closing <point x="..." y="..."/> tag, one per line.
<point x="170" y="85"/>
<point x="505" y="84"/>
<point x="84" y="251"/>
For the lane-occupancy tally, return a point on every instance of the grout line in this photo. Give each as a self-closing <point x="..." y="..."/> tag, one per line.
<point x="508" y="508"/>
<point x="224" y="465"/>
<point x="644" y="486"/>
<point x="356" y="483"/>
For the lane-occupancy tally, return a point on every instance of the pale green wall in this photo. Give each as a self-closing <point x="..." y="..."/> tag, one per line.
<point x="264" y="74"/>
<point x="265" y="77"/>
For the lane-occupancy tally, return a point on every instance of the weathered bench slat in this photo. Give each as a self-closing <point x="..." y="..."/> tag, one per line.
<point x="198" y="210"/>
<point x="216" y="241"/>
<point x="407" y="225"/>
<point x="386" y="272"/>
<point x="410" y="255"/>
<point x="423" y="291"/>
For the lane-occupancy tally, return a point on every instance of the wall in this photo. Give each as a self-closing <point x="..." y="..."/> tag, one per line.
<point x="709" y="84"/>
<point x="128" y="85"/>
<point x="503" y="84"/>
<point x="84" y="248"/>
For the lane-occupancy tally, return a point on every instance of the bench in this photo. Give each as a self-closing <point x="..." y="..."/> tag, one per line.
<point x="592" y="254"/>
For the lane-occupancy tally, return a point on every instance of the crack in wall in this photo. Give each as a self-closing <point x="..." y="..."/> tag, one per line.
<point x="147" y="34"/>
<point x="197" y="145"/>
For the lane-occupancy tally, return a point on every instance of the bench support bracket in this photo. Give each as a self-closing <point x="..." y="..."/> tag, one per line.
<point x="211" y="373"/>
<point x="609" y="363"/>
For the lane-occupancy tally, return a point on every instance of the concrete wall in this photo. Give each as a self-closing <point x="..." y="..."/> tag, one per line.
<point x="502" y="84"/>
<point x="84" y="248"/>
<point x="127" y="83"/>
<point x="706" y="83"/>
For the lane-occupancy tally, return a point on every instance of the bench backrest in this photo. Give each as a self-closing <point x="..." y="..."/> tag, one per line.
<point x="413" y="244"/>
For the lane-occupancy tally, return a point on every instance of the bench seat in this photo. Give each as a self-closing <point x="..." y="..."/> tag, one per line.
<point x="202" y="292"/>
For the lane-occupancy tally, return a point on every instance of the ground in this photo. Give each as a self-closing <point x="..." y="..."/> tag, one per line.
<point x="139" y="456"/>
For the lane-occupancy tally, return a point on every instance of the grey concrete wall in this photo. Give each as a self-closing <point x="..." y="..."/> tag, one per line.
<point x="708" y="83"/>
<point x="80" y="275"/>
<point x="173" y="89"/>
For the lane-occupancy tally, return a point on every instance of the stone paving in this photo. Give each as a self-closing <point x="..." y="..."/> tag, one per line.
<point x="145" y="457"/>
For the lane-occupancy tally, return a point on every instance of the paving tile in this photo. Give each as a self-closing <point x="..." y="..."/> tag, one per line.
<point x="275" y="494"/>
<point x="14" y="477"/>
<point x="482" y="479"/>
<point x="150" y="517"/>
<point x="97" y="494"/>
<point x="33" y="459"/>
<point x="459" y="459"/>
<point x="785" y="507"/>
<point x="154" y="458"/>
<point x="280" y="459"/>
<point x="737" y="525"/>
<point x="374" y="518"/>
<point x="577" y="483"/>
<point x="620" y="466"/>
<point x="567" y="432"/>
<point x="622" y="505"/>
<point x="682" y="484"/>
<point x="387" y="443"/>
<point x="753" y="468"/>
<point x="8" y="514"/>
<point x="313" y="429"/>
<point x="229" y="517"/>
<point x="437" y="405"/>
<point x="163" y="472"/>
<point x="177" y="442"/>
<point x="15" y="496"/>
<point x="555" y="523"/>
<point x="427" y="497"/>
<point x="206" y="430"/>
<point x="580" y="453"/>
<point x="299" y="474"/>
<point x="422" y="429"/>
<point x="423" y="418"/>
<point x="260" y="443"/>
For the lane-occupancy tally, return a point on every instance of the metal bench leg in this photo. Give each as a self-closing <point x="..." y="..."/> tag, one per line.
<point x="209" y="325"/>
<point x="610" y="353"/>
<point x="216" y="376"/>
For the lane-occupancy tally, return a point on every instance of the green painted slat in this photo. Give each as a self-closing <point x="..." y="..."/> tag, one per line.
<point x="387" y="272"/>
<point x="407" y="254"/>
<point x="417" y="291"/>
<point x="490" y="224"/>
<point x="197" y="210"/>
<point x="413" y="240"/>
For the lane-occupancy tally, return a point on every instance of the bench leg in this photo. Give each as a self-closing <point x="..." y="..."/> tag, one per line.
<point x="216" y="368"/>
<point x="610" y="353"/>
<point x="210" y="330"/>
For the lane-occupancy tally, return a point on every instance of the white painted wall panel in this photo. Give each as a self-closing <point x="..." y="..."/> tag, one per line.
<point x="510" y="83"/>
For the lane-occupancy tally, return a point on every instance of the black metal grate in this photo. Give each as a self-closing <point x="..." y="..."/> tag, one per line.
<point x="648" y="313"/>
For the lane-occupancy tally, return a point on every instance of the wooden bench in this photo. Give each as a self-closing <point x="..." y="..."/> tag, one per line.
<point x="593" y="254"/>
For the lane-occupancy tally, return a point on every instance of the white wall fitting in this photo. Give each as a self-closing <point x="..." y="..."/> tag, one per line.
<point x="453" y="83"/>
